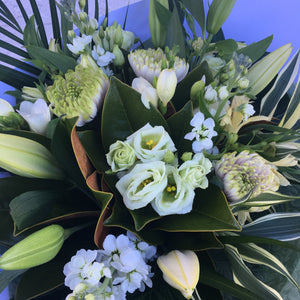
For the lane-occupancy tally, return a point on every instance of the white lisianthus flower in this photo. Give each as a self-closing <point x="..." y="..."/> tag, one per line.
<point x="176" y="198"/>
<point x="147" y="91"/>
<point x="166" y="85"/>
<point x="151" y="143"/>
<point x="121" y="156"/>
<point x="194" y="171"/>
<point x="142" y="184"/>
<point x="79" y="44"/>
<point x="102" y="58"/>
<point x="5" y="108"/>
<point x="36" y="114"/>
<point x="203" y="132"/>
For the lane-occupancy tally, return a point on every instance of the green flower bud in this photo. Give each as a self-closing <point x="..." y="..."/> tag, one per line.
<point x="119" y="60"/>
<point x="187" y="156"/>
<point x="82" y="4"/>
<point x="31" y="94"/>
<point x="83" y="16"/>
<point x="169" y="157"/>
<point x="89" y="297"/>
<point x="218" y="12"/>
<point x="197" y="89"/>
<point x="121" y="156"/>
<point x="36" y="249"/>
<point x="93" y="24"/>
<point x="118" y="38"/>
<point x="27" y="158"/>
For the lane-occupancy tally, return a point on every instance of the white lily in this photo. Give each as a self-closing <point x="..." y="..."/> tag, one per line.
<point x="5" y="108"/>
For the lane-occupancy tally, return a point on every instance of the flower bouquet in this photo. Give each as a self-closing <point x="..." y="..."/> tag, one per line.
<point x="164" y="168"/>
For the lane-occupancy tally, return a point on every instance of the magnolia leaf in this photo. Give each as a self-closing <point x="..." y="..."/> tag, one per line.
<point x="283" y="82"/>
<point x="257" y="255"/>
<point x="255" y="50"/>
<point x="124" y="113"/>
<point x="244" y="277"/>
<point x="281" y="226"/>
<point x="261" y="73"/>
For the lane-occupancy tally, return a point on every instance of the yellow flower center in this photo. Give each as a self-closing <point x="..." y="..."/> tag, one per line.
<point x="150" y="144"/>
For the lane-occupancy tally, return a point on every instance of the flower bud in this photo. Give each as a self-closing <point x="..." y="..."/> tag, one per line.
<point x="36" y="249"/>
<point x="89" y="297"/>
<point x="93" y="24"/>
<point x="5" y="108"/>
<point x="186" y="156"/>
<point x="82" y="4"/>
<point x="71" y="35"/>
<point x="223" y="93"/>
<point x="166" y="85"/>
<point x="118" y="37"/>
<point x="119" y="57"/>
<point x="169" y="157"/>
<point x="211" y="94"/>
<point x="31" y="94"/>
<point x="27" y="158"/>
<point x="83" y="16"/>
<point x="180" y="270"/>
<point x="53" y="46"/>
<point x="243" y="83"/>
<point x="197" y="89"/>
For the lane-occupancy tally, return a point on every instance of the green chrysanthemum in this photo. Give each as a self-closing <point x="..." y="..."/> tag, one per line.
<point x="246" y="173"/>
<point x="78" y="93"/>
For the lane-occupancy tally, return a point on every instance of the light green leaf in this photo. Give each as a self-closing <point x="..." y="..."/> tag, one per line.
<point x="261" y="73"/>
<point x="257" y="255"/>
<point x="282" y="84"/>
<point x="244" y="276"/>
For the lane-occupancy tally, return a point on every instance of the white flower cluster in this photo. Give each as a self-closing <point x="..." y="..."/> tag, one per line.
<point x="153" y="175"/>
<point x="110" y="273"/>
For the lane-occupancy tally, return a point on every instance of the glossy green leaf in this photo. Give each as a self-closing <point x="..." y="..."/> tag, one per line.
<point x="92" y="144"/>
<point x="281" y="226"/>
<point x="255" y="50"/>
<point x="182" y="93"/>
<point x="123" y="113"/>
<point x="283" y="82"/>
<point x="196" y="8"/>
<point x="176" y="34"/>
<point x="209" y="277"/>
<point x="257" y="255"/>
<point x="245" y="277"/>
<point x="163" y="15"/>
<point x="6" y="228"/>
<point x="179" y="124"/>
<point x="52" y="59"/>
<point x="207" y="215"/>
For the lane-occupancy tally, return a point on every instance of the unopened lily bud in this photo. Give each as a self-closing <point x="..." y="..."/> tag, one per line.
<point x="169" y="157"/>
<point x="243" y="83"/>
<point x="82" y="4"/>
<point x="180" y="270"/>
<point x="166" y="85"/>
<point x="118" y="38"/>
<point x="197" y="89"/>
<point x="53" y="46"/>
<point x="36" y="249"/>
<point x="27" y="158"/>
<point x="83" y="16"/>
<point x="186" y="156"/>
<point x="119" y="57"/>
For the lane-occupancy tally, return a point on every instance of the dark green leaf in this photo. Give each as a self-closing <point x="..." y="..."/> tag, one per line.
<point x="182" y="93"/>
<point x="39" y="22"/>
<point x="163" y="15"/>
<point x="14" y="27"/>
<point x="14" y="49"/>
<point x="11" y="36"/>
<point x="9" y="15"/>
<point x="65" y="25"/>
<point x="6" y="228"/>
<point x="124" y="113"/>
<point x="52" y="59"/>
<point x="226" y="48"/>
<point x="24" y="14"/>
<point x="180" y="125"/>
<point x="30" y="35"/>
<point x="196" y="8"/>
<point x="207" y="215"/>
<point x="255" y="50"/>
<point x="7" y="276"/>
<point x="54" y="21"/>
<point x="92" y="144"/>
<point x="96" y="15"/>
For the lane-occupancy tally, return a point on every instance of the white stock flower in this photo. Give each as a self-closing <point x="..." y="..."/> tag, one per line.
<point x="203" y="132"/>
<point x="147" y="91"/>
<point x="211" y="94"/>
<point x="79" y="44"/>
<point x="194" y="171"/>
<point x="142" y="184"/>
<point x="36" y="114"/>
<point x="102" y="58"/>
<point x="223" y="92"/>
<point x="151" y="143"/>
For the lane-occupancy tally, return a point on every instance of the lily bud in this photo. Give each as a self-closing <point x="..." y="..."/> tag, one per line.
<point x="5" y="108"/>
<point x="36" y="249"/>
<point x="180" y="270"/>
<point x="118" y="38"/>
<point x="166" y="85"/>
<point x="197" y="89"/>
<point x="218" y="12"/>
<point x="27" y="158"/>
<point x="119" y="57"/>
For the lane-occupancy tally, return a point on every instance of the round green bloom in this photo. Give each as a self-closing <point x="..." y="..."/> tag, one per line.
<point x="78" y="93"/>
<point x="121" y="156"/>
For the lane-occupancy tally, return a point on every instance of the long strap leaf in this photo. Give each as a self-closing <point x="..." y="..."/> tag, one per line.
<point x="96" y="10"/>
<point x="39" y="22"/>
<point x="66" y="25"/>
<point x="23" y="11"/>
<point x="11" y="36"/>
<point x="13" y="49"/>
<point x="9" y="15"/>
<point x="3" y="19"/>
<point x="55" y="22"/>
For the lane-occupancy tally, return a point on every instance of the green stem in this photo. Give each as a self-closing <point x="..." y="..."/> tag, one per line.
<point x="204" y="47"/>
<point x="199" y="298"/>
